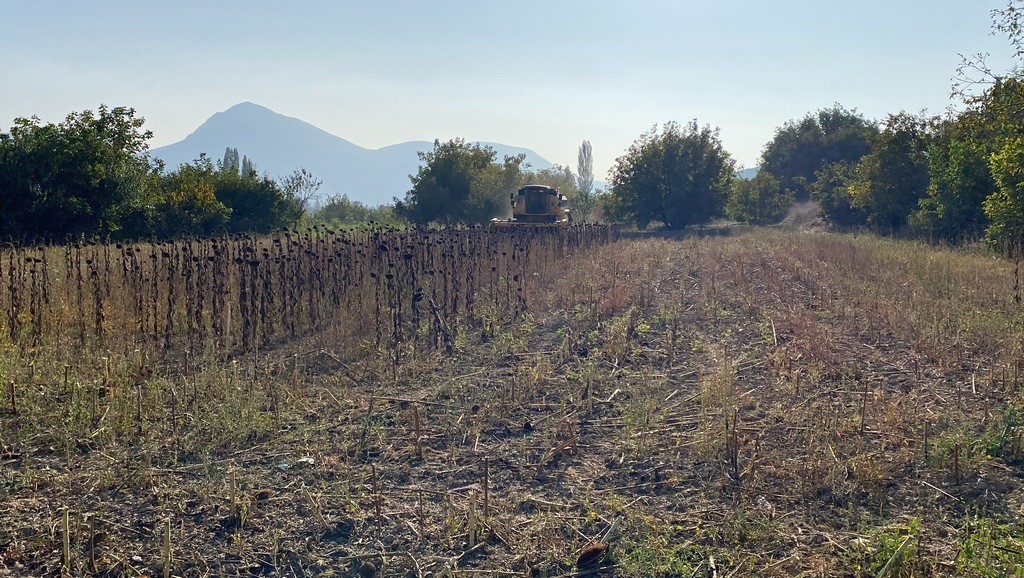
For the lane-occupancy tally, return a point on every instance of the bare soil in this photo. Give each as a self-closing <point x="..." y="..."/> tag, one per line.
<point x="764" y="405"/>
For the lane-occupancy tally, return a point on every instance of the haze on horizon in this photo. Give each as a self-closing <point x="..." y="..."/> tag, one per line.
<point x="544" y="76"/>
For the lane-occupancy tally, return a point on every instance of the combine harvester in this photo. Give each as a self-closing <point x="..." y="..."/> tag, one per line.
<point x="537" y="206"/>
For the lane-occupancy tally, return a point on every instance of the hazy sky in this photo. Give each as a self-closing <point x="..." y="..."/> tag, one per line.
<point x="538" y="74"/>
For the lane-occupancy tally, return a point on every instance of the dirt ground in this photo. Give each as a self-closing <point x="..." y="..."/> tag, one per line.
<point x="757" y="405"/>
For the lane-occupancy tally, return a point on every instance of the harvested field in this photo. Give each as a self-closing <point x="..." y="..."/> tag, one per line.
<point x="761" y="404"/>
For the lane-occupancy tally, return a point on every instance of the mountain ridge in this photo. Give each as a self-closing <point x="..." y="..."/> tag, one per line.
<point x="279" y="144"/>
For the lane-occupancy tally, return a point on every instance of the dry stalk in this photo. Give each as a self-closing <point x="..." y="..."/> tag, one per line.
<point x="487" y="514"/>
<point x="376" y="494"/>
<point x="925" y="442"/>
<point x="92" y="544"/>
<point x="234" y="496"/>
<point x="419" y="512"/>
<point x="66" y="537"/>
<point x="416" y="428"/>
<point x="168" y="552"/>
<point x="472" y="521"/>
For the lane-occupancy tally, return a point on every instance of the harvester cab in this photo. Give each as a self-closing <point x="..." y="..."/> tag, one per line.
<point x="537" y="205"/>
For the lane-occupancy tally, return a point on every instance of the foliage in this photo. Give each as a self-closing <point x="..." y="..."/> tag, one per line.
<point x="831" y="191"/>
<point x="759" y="200"/>
<point x="257" y="202"/>
<point x="585" y="199"/>
<point x="230" y="162"/>
<point x="1005" y="207"/>
<point x="959" y="181"/>
<point x="341" y="211"/>
<point x="460" y="182"/>
<point x="679" y="176"/>
<point x="301" y="186"/>
<point x="991" y="549"/>
<point x="802" y="148"/>
<point x="889" y="181"/>
<point x="88" y="175"/>
<point x="188" y="203"/>
<point x="558" y="177"/>
<point x="890" y="551"/>
<point x="242" y="201"/>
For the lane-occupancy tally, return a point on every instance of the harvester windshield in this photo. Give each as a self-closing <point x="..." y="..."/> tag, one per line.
<point x="537" y="200"/>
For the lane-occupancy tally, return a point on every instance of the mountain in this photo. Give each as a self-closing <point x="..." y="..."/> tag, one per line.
<point x="748" y="173"/>
<point x="279" y="144"/>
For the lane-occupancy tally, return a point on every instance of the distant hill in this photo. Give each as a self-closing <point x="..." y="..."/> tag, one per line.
<point x="279" y="144"/>
<point x="748" y="173"/>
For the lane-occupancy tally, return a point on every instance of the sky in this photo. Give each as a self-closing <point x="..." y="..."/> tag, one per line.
<point x="540" y="74"/>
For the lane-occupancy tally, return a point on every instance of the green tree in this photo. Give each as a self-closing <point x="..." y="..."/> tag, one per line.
<point x="584" y="200"/>
<point x="959" y="181"/>
<point x="831" y="190"/>
<point x="1005" y="207"/>
<point x="86" y="176"/>
<point x="248" y="168"/>
<point x="889" y="181"/>
<point x="678" y="176"/>
<point x="758" y="201"/>
<point x="460" y="182"/>
<point x="242" y="201"/>
<point x="558" y="177"/>
<point x="187" y="203"/>
<point x="978" y="155"/>
<point x="801" y="148"/>
<point x="230" y="161"/>
<point x="341" y="211"/>
<point x="258" y="204"/>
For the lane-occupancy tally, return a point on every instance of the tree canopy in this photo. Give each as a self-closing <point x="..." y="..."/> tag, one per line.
<point x="801" y="148"/>
<point x="91" y="176"/>
<point x="584" y="200"/>
<point x="86" y="175"/>
<point x="678" y="176"/>
<point x="460" y="182"/>
<point x="758" y="201"/>
<point x="889" y="181"/>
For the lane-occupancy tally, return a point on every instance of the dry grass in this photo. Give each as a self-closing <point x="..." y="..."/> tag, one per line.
<point x="765" y="404"/>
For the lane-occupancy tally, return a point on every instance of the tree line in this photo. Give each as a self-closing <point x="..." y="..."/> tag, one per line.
<point x="90" y="175"/>
<point x="943" y="178"/>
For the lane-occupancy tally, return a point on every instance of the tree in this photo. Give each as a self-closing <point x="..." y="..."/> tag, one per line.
<point x="242" y="202"/>
<point x="582" y="203"/>
<point x="460" y="182"/>
<point x="557" y="177"/>
<point x="831" y="190"/>
<point x="258" y="204"/>
<point x="341" y="211"/>
<point x="302" y="186"/>
<point x="959" y="181"/>
<point x="1005" y="207"/>
<point x="188" y="202"/>
<point x="85" y="176"/>
<point x="889" y="181"/>
<point x="758" y="201"/>
<point x="801" y="148"/>
<point x="230" y="162"/>
<point x="678" y="176"/>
